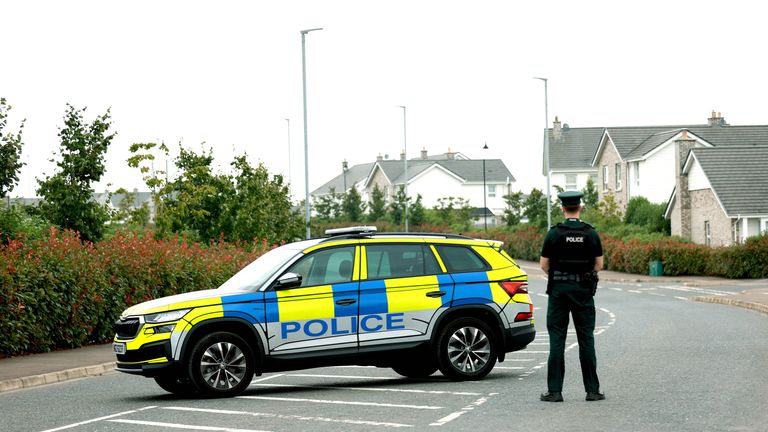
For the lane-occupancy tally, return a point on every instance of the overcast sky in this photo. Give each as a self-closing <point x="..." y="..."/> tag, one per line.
<point x="229" y="74"/>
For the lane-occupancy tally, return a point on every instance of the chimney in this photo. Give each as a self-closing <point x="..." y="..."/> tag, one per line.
<point x="450" y="155"/>
<point x="683" y="146"/>
<point x="424" y="153"/>
<point x="402" y="155"/>
<point x="379" y="158"/>
<point x="557" y="131"/>
<point x="716" y="120"/>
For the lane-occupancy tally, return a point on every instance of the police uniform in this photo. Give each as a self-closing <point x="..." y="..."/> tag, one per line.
<point x="571" y="247"/>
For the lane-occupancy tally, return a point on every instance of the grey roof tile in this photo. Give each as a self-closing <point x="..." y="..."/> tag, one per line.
<point x="737" y="175"/>
<point x="574" y="149"/>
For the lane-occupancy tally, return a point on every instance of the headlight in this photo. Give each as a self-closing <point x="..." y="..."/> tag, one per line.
<point x="165" y="316"/>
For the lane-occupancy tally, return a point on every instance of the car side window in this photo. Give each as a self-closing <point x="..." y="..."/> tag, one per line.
<point x="458" y="259"/>
<point x="325" y="267"/>
<point x="400" y="260"/>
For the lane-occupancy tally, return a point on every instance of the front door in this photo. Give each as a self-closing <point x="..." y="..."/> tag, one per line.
<point x="320" y="314"/>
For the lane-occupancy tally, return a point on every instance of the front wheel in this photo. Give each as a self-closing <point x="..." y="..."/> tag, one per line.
<point x="466" y="349"/>
<point x="221" y="364"/>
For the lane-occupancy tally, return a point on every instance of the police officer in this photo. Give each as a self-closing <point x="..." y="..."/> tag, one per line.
<point x="571" y="256"/>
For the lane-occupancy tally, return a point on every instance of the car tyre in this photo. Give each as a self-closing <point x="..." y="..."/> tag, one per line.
<point x="466" y="349"/>
<point x="178" y="385"/>
<point x="221" y="364"/>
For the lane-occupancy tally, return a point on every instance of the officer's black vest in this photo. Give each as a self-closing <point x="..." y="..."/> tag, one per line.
<point x="574" y="249"/>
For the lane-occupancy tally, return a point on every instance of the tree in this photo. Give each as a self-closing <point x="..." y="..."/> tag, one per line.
<point x="416" y="212"/>
<point x="352" y="205"/>
<point x="642" y="212"/>
<point x="328" y="206"/>
<point x="10" y="152"/>
<point x="444" y="210"/>
<point x="377" y="206"/>
<point x="397" y="206"/>
<point x="454" y="212"/>
<point x="536" y="208"/>
<point x="68" y="194"/>
<point x="590" y="194"/>
<point x="261" y="206"/>
<point x="197" y="200"/>
<point x="514" y="211"/>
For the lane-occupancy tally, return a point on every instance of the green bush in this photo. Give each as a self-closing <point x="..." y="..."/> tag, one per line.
<point x="61" y="292"/>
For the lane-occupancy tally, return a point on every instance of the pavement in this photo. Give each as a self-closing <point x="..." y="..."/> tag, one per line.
<point x="47" y="368"/>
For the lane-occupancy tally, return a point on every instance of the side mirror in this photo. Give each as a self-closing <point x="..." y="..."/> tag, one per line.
<point x="287" y="281"/>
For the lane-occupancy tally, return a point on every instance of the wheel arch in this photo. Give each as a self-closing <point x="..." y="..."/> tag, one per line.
<point x="251" y="333"/>
<point x="479" y="311"/>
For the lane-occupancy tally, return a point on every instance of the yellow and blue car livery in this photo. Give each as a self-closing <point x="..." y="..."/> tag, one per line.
<point x="361" y="299"/>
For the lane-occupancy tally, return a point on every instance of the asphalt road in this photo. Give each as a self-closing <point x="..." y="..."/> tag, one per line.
<point x="665" y="363"/>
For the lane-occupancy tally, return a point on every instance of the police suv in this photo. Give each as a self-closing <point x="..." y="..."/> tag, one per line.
<point x="413" y="302"/>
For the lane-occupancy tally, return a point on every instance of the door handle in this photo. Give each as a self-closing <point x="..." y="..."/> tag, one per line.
<point x="434" y="294"/>
<point x="346" y="302"/>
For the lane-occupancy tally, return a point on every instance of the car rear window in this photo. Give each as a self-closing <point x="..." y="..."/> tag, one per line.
<point x="458" y="259"/>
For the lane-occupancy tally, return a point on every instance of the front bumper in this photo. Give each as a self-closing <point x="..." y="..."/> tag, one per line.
<point x="151" y="359"/>
<point x="517" y="338"/>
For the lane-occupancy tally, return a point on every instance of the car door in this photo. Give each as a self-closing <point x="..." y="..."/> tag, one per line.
<point x="402" y="290"/>
<point x="321" y="313"/>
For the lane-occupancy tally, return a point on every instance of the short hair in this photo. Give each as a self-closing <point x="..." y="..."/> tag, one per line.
<point x="572" y="208"/>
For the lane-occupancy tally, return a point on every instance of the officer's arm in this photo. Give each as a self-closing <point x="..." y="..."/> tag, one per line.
<point x="544" y="263"/>
<point x="598" y="263"/>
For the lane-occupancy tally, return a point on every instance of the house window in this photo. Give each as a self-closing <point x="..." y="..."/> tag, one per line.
<point x="491" y="191"/>
<point x="707" y="233"/>
<point x="637" y="173"/>
<point x="605" y="177"/>
<point x="570" y="182"/>
<point x="593" y="177"/>
<point x="618" y="176"/>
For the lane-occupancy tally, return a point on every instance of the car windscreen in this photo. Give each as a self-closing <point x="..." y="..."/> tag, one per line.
<point x="256" y="273"/>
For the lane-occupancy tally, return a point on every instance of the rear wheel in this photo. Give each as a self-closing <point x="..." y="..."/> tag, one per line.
<point x="466" y="349"/>
<point x="178" y="385"/>
<point x="221" y="364"/>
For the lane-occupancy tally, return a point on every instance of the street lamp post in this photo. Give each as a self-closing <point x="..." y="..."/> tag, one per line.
<point x="405" y="161"/>
<point x="546" y="152"/>
<point x="288" y="122"/>
<point x="485" y="194"/>
<point x="344" y="169"/>
<point x="306" y="151"/>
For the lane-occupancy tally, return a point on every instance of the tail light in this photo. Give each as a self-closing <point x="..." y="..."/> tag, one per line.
<point x="524" y="316"/>
<point x="513" y="287"/>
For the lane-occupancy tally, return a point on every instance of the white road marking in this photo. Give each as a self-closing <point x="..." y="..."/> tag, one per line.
<point x="706" y="291"/>
<point x="184" y="426"/>
<point x="290" y="417"/>
<point x="509" y="367"/>
<point x="538" y="343"/>
<point x="657" y="294"/>
<point x="266" y="378"/>
<point x="536" y="352"/>
<point x="337" y="402"/>
<point x="99" y="419"/>
<point x="341" y="376"/>
<point x="635" y="291"/>
<point x="542" y="295"/>
<point x="616" y="289"/>
<point x="520" y="360"/>
<point x="682" y="298"/>
<point x="375" y="389"/>
<point x="457" y="414"/>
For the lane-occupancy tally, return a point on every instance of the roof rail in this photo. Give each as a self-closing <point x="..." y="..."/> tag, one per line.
<point x="365" y="229"/>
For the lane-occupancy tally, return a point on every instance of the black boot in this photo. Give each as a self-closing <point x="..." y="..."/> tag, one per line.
<point x="595" y="396"/>
<point x="551" y="396"/>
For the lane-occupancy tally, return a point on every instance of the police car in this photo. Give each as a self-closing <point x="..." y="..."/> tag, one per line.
<point x="415" y="303"/>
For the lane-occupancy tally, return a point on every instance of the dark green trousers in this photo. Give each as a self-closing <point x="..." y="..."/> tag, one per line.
<point x="570" y="298"/>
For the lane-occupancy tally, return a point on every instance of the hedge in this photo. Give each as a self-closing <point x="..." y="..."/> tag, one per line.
<point x="743" y="261"/>
<point x="60" y="292"/>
